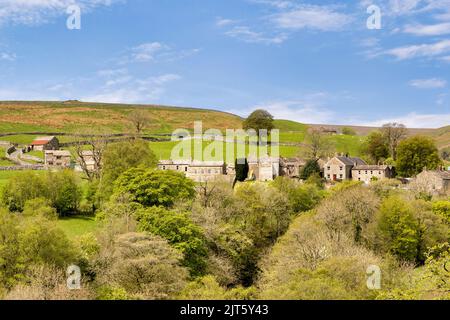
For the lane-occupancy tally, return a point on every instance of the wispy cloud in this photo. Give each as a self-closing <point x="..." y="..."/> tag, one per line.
<point x="314" y="17"/>
<point x="420" y="50"/>
<point x="222" y="22"/>
<point x="310" y="108"/>
<point x="416" y="120"/>
<point x="35" y="12"/>
<point x="125" y="88"/>
<point x="428" y="30"/>
<point x="433" y="83"/>
<point x="7" y="56"/>
<point x="244" y="33"/>
<point x="154" y="52"/>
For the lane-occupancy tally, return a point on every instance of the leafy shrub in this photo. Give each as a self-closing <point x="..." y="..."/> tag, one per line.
<point x="151" y="187"/>
<point x="180" y="232"/>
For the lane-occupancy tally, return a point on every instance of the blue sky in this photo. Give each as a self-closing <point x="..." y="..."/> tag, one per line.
<point x="309" y="61"/>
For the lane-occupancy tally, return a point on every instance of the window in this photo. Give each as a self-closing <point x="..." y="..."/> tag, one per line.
<point x="341" y="176"/>
<point x="366" y="171"/>
<point x="178" y="167"/>
<point x="164" y="167"/>
<point x="379" y="172"/>
<point x="359" y="179"/>
<point x="185" y="169"/>
<point x="371" y="172"/>
<point x="359" y="172"/>
<point x="328" y="176"/>
<point x="341" y="168"/>
<point x="328" y="168"/>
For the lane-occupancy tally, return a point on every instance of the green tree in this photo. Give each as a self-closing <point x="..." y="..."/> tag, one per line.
<point x="60" y="188"/>
<point x="398" y="231"/>
<point x="39" y="207"/>
<point x="151" y="187"/>
<point x="21" y="188"/>
<point x="180" y="232"/>
<point x="442" y="208"/>
<point x="376" y="147"/>
<point x="311" y="168"/>
<point x="141" y="266"/>
<point x="415" y="154"/>
<point x="348" y="131"/>
<point x="64" y="191"/>
<point x="12" y="265"/>
<point x="259" y="120"/>
<point x="302" y="197"/>
<point x="122" y="156"/>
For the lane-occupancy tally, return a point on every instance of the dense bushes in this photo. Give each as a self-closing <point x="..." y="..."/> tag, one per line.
<point x="30" y="241"/>
<point x="155" y="188"/>
<point x="61" y="189"/>
<point x="179" y="231"/>
<point x="162" y="237"/>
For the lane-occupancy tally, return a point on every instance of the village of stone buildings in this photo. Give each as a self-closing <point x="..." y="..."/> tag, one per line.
<point x="332" y="169"/>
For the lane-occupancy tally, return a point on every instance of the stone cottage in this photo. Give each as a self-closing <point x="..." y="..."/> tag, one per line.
<point x="340" y="168"/>
<point x="368" y="173"/>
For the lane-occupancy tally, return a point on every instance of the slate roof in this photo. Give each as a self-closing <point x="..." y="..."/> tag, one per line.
<point x="351" y="161"/>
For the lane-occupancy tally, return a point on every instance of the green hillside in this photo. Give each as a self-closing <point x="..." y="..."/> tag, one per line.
<point x="74" y="117"/>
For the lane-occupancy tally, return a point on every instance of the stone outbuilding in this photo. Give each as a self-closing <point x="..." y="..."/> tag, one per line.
<point x="45" y="143"/>
<point x="291" y="167"/>
<point x="58" y="158"/>
<point x="433" y="182"/>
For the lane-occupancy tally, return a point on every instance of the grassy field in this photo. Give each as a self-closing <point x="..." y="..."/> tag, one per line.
<point x="36" y="153"/>
<point x="77" y="225"/>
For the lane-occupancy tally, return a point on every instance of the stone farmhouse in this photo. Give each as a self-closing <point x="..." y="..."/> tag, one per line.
<point x="434" y="182"/>
<point x="340" y="168"/>
<point x="199" y="171"/>
<point x="58" y="158"/>
<point x="45" y="143"/>
<point x="368" y="173"/>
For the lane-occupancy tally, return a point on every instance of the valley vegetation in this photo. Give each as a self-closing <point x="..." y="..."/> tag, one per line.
<point x="160" y="236"/>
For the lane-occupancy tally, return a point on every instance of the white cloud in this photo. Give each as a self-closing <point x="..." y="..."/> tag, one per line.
<point x="222" y="22"/>
<point x="433" y="83"/>
<point x="35" y="12"/>
<point x="154" y="52"/>
<point x="421" y="50"/>
<point x="127" y="89"/>
<point x="306" y="110"/>
<point x="280" y="4"/>
<point x="402" y="7"/>
<point x="428" y="30"/>
<point x="416" y="120"/>
<point x="147" y="51"/>
<point x="246" y="34"/>
<point x="7" y="56"/>
<point x="314" y="17"/>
